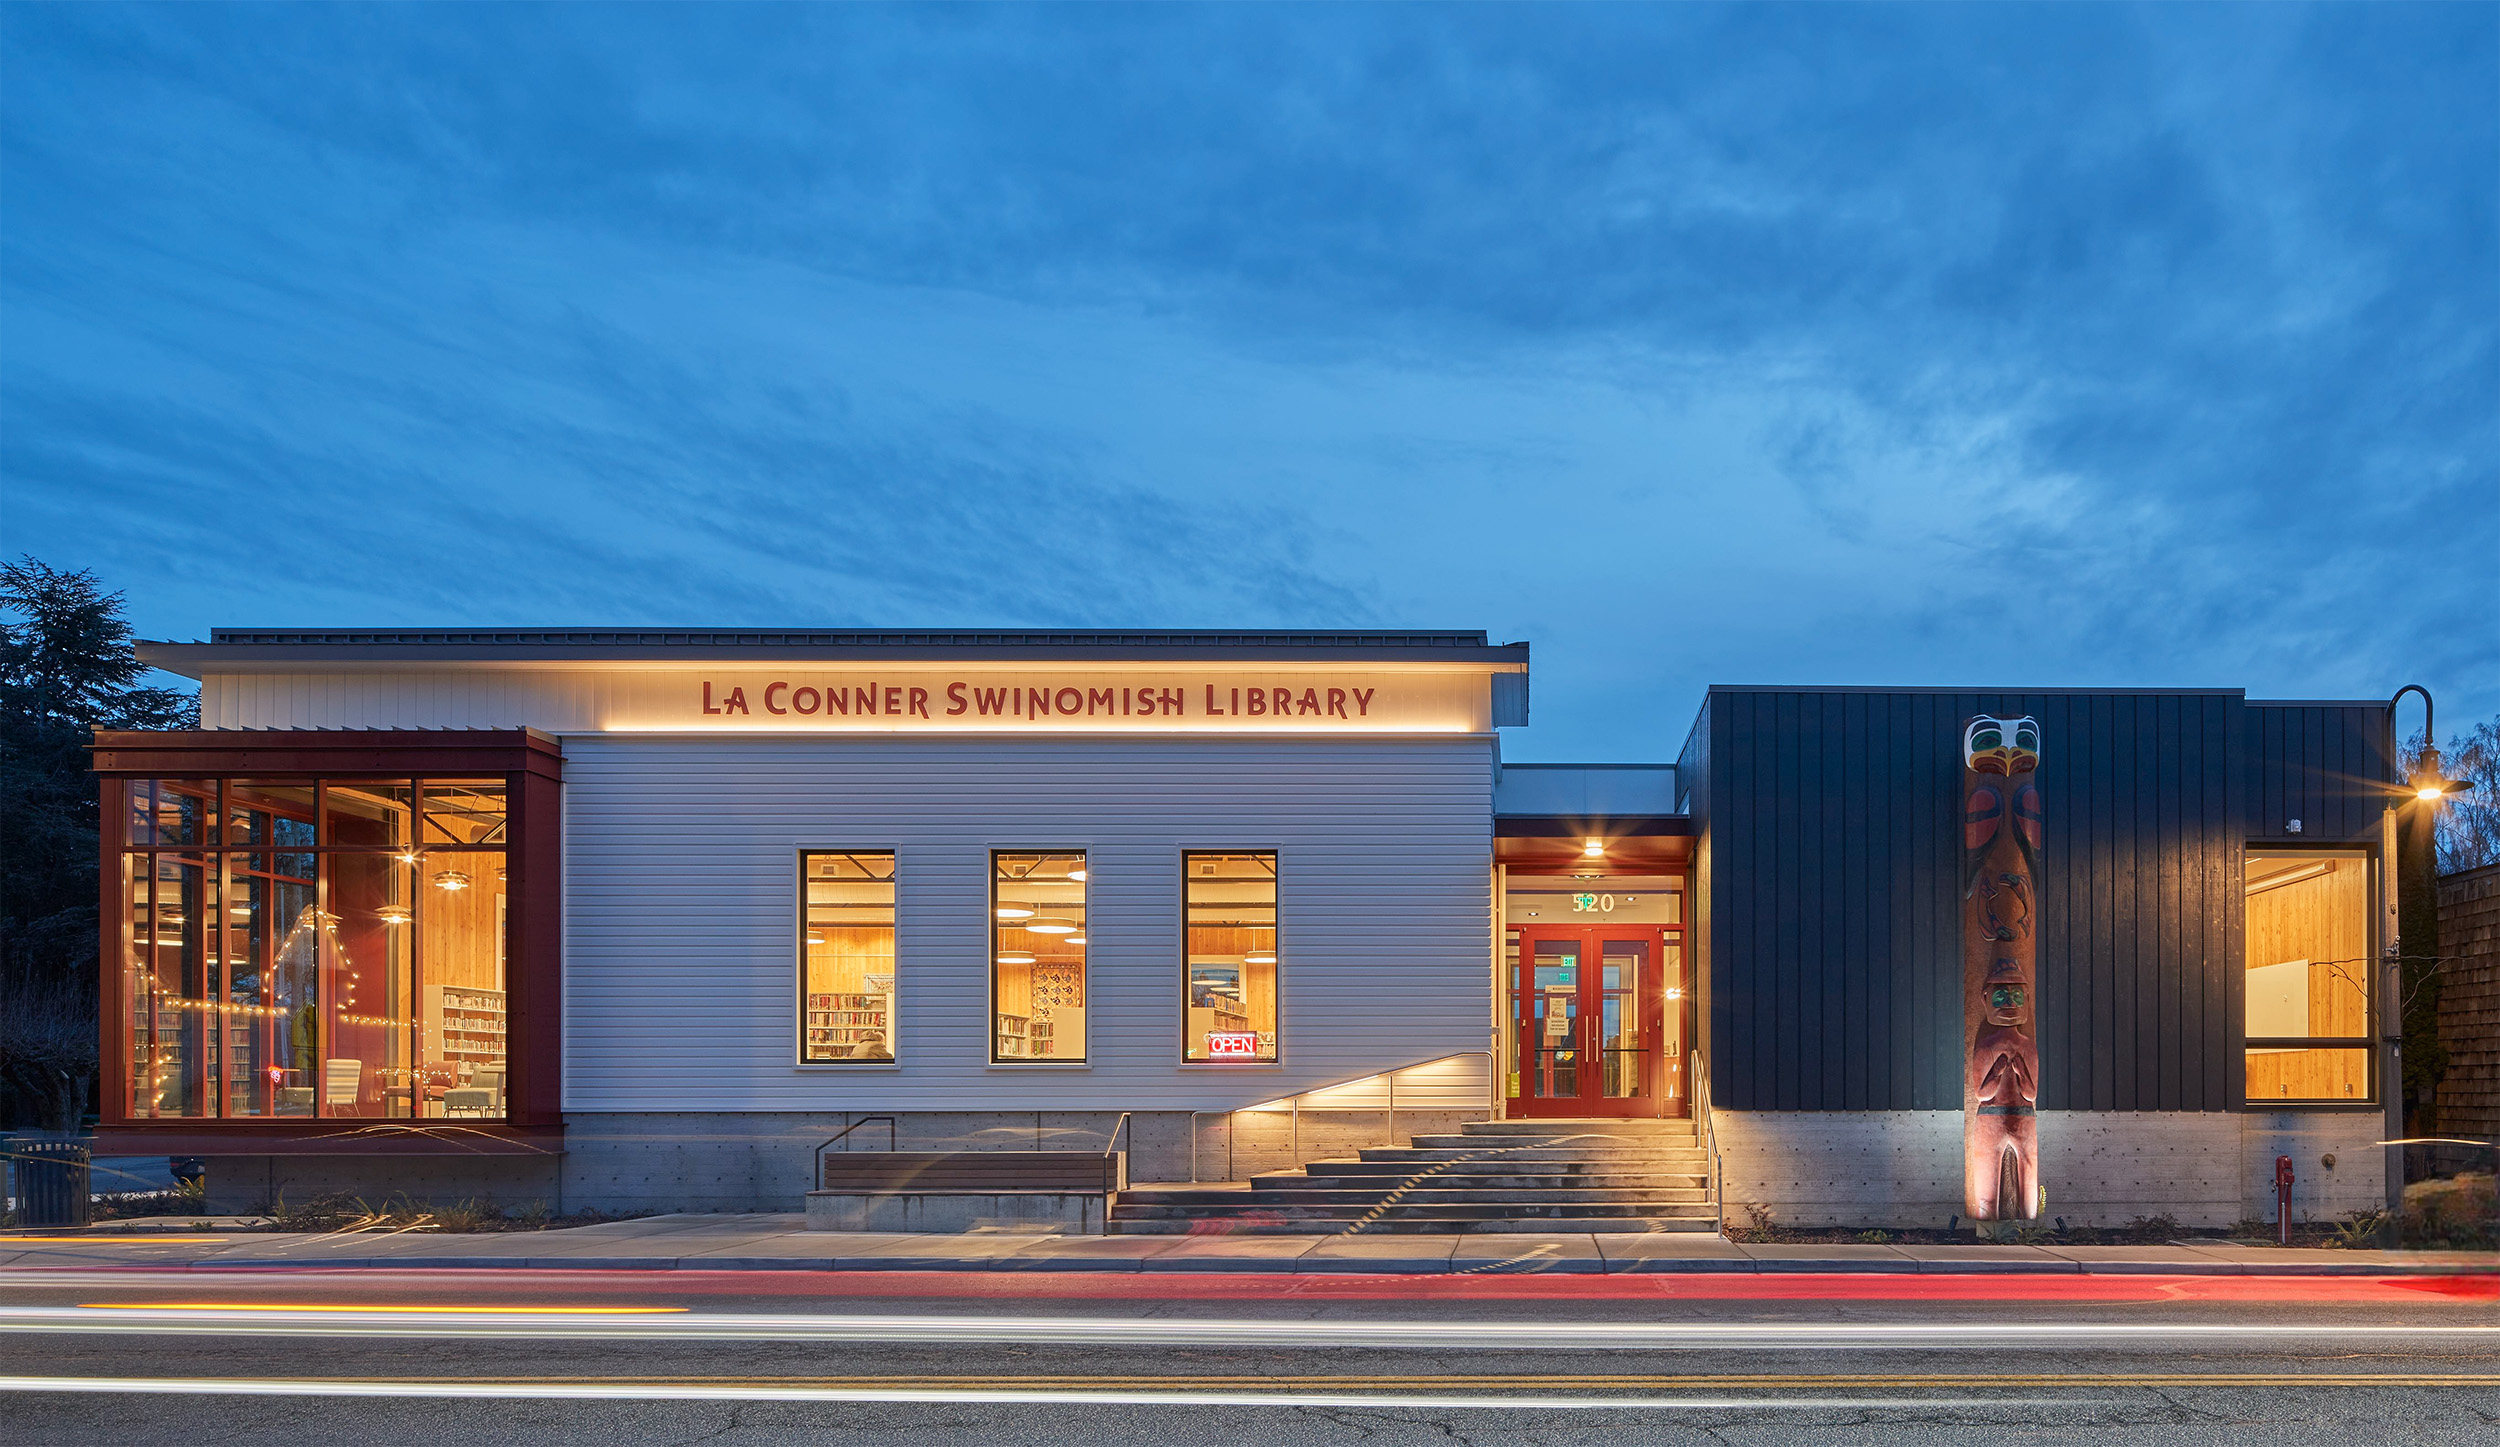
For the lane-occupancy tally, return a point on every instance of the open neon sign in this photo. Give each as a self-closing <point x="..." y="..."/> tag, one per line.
<point x="1232" y="1044"/>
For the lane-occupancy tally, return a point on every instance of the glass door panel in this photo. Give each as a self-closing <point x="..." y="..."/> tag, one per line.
<point x="1550" y="1029"/>
<point x="1623" y="970"/>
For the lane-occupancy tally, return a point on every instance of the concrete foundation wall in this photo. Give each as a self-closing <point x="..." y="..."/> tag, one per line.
<point x="762" y="1161"/>
<point x="1902" y="1169"/>
<point x="959" y="1212"/>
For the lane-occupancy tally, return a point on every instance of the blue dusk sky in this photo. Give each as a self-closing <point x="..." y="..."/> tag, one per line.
<point x="1993" y="345"/>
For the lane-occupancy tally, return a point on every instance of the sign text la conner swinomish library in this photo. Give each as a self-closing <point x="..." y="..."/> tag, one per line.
<point x="968" y="699"/>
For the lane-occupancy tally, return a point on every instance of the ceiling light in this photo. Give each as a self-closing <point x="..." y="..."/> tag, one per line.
<point x="394" y="914"/>
<point x="451" y="879"/>
<point x="1013" y="911"/>
<point x="1050" y="926"/>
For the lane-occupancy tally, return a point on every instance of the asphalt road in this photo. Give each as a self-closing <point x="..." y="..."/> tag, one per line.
<point x="624" y="1359"/>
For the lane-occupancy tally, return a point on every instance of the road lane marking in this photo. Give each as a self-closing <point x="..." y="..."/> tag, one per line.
<point x="341" y="1306"/>
<point x="692" y="1392"/>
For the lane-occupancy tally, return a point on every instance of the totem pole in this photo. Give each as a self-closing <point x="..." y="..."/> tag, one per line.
<point x="2000" y="969"/>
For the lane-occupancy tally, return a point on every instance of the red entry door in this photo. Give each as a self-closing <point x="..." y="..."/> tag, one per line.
<point x="1596" y="1023"/>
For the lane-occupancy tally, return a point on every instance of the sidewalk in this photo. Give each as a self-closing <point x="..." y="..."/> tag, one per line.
<point x="778" y="1243"/>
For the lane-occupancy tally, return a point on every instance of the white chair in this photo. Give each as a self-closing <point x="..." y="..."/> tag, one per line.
<point x="342" y="1082"/>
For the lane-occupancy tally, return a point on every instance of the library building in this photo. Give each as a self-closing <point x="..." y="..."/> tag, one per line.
<point x="939" y="930"/>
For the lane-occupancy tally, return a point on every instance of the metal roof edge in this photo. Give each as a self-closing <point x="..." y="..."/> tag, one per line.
<point x="1928" y="688"/>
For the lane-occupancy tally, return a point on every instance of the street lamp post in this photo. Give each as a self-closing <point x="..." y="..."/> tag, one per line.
<point x="2412" y="833"/>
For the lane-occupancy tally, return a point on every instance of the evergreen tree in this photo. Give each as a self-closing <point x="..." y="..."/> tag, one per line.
<point x="66" y="669"/>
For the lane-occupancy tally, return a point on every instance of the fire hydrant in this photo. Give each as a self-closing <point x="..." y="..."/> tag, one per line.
<point x="2283" y="1200"/>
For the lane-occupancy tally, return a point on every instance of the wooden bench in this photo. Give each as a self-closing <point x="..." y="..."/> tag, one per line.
<point x="955" y="1191"/>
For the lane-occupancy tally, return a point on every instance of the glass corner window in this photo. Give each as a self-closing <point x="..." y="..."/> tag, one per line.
<point x="846" y="955"/>
<point x="1037" y="953"/>
<point x="1229" y="977"/>
<point x="275" y="971"/>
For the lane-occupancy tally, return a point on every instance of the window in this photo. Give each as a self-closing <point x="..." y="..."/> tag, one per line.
<point x="1229" y="978"/>
<point x="2308" y="977"/>
<point x="846" y="954"/>
<point x="326" y="948"/>
<point x="1037" y="946"/>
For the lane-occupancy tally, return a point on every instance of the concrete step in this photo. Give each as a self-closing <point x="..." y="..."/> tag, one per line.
<point x="1558" y="1140"/>
<point x="1332" y="1180"/>
<point x="1676" y="1164"/>
<point x="1539" y="1153"/>
<point x="1576" y="1127"/>
<point x="1318" y="1193"/>
<point x="1424" y="1225"/>
<point x="1461" y="1210"/>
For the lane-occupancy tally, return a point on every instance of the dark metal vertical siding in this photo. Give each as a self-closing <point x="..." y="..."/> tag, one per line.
<point x="1692" y="775"/>
<point x="2325" y="764"/>
<point x="1831" y="820"/>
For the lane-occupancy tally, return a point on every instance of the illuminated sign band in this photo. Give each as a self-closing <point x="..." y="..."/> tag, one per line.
<point x="958" y="698"/>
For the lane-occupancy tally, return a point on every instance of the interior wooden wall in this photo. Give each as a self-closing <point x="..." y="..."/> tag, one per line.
<point x="2324" y="920"/>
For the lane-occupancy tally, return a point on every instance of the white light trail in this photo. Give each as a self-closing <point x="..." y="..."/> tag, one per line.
<point x="661" y="1325"/>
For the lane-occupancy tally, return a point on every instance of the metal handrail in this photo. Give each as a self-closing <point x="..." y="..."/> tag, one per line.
<point x="1700" y="1096"/>
<point x="846" y="1130"/>
<point x="1293" y="1103"/>
<point x="1111" y="1146"/>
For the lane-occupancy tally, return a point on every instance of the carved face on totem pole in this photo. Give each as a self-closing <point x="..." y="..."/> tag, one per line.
<point x="2001" y="822"/>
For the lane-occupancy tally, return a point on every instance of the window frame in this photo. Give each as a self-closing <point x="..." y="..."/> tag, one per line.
<point x="2372" y="882"/>
<point x="217" y="854"/>
<point x="1276" y="857"/>
<point x="989" y="958"/>
<point x="798" y="955"/>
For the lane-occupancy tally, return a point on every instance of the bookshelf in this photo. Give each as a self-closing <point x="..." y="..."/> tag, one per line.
<point x="845" y="1025"/>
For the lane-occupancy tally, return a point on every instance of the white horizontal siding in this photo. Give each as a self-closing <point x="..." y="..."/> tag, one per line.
<point x="681" y="888"/>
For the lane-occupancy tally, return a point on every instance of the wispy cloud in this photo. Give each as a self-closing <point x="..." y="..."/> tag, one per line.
<point x="1843" y="343"/>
